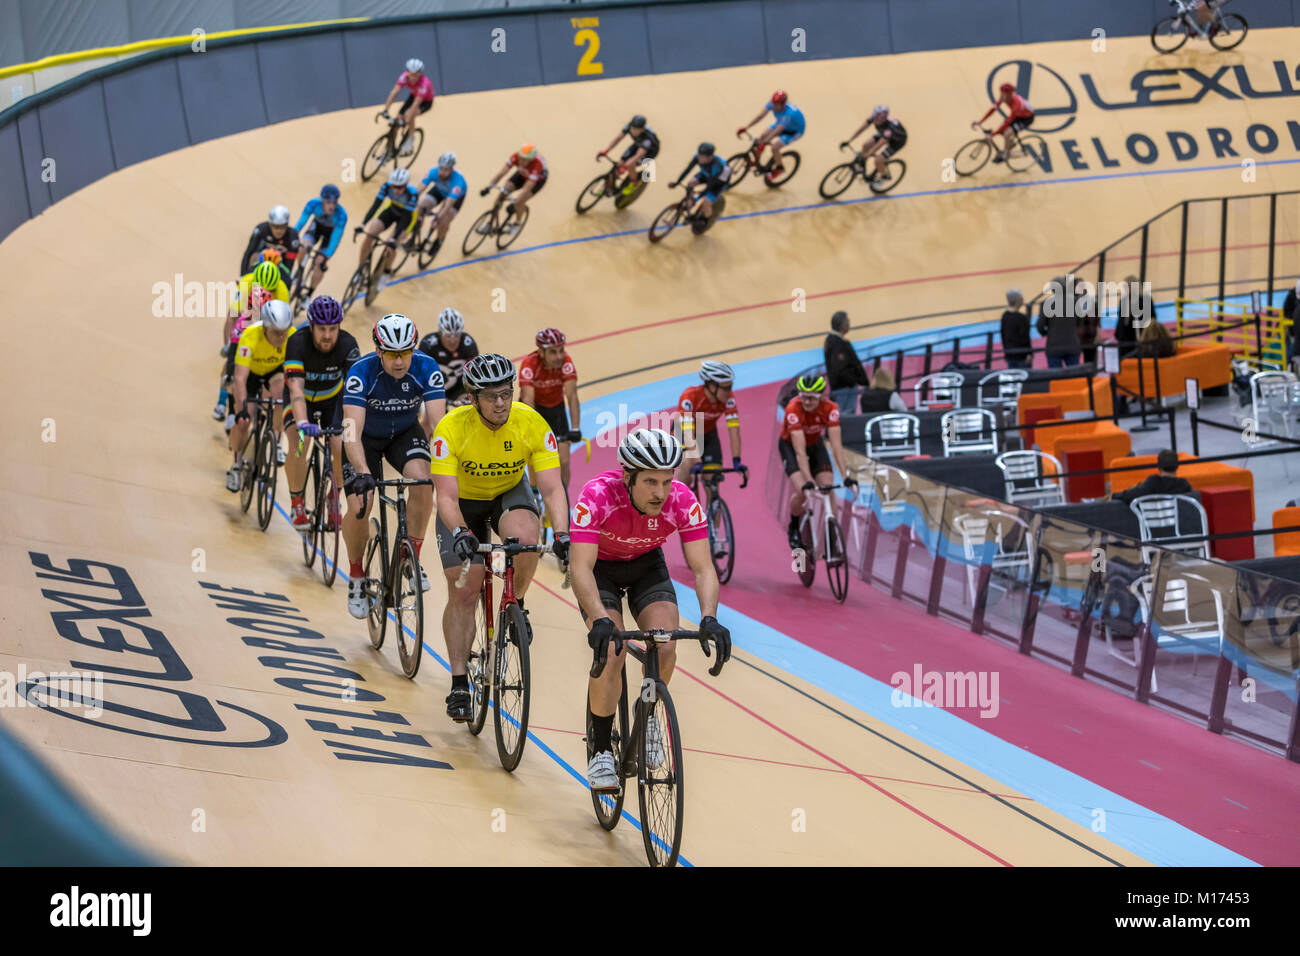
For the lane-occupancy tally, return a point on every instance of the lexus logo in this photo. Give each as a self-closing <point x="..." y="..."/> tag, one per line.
<point x="1044" y="88"/>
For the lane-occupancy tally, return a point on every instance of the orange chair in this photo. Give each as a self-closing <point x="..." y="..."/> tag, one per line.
<point x="1113" y="441"/>
<point x="1072" y="394"/>
<point x="1199" y="474"/>
<point x="1288" y="542"/>
<point x="1207" y="361"/>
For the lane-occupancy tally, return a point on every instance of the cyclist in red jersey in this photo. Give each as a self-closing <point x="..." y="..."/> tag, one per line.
<point x="810" y="419"/>
<point x="1019" y="116"/>
<point x="548" y="381"/>
<point x="618" y="526"/>
<point x="699" y="409"/>
<point x="529" y="177"/>
<point x="419" y="99"/>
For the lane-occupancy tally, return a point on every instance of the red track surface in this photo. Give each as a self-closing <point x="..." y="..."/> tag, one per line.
<point x="1227" y="791"/>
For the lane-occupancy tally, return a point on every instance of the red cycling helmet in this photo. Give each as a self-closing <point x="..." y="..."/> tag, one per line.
<point x="779" y="98"/>
<point x="549" y="337"/>
<point x="1008" y="88"/>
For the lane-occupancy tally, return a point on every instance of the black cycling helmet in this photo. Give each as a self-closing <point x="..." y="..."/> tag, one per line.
<point x="638" y="122"/>
<point x="706" y="149"/>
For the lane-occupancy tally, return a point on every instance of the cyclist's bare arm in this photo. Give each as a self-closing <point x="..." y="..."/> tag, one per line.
<point x="761" y="114"/>
<point x="448" y="491"/>
<point x="706" y="578"/>
<point x="527" y="395"/>
<point x="296" y="397"/>
<point x="613" y="142"/>
<point x="392" y="95"/>
<point x="354" y="423"/>
<point x="733" y="432"/>
<point x="240" y="386"/>
<point x="575" y="407"/>
<point x="557" y="502"/>
<point x="433" y="412"/>
<point x="582" y="578"/>
<point x="837" y="447"/>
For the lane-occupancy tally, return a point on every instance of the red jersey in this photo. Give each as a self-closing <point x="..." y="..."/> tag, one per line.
<point x="814" y="424"/>
<point x="533" y="170"/>
<point x="1019" y="107"/>
<point x="547" y="383"/>
<point x="698" y="408"/>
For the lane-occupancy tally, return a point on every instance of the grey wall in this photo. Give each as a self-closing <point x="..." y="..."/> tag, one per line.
<point x="159" y="102"/>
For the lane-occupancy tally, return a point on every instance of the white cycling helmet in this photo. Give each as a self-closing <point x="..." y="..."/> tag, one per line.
<point x="450" y="322"/>
<point x="488" y="370"/>
<point x="879" y="111"/>
<point x="399" y="177"/>
<point x="414" y="66"/>
<point x="278" y="216"/>
<point x="715" y="371"/>
<point x="447" y="159"/>
<point x="394" y="333"/>
<point x="277" y="315"/>
<point x="649" y="449"/>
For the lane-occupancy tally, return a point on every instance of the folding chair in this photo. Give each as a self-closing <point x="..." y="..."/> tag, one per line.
<point x="944" y="388"/>
<point x="893" y="435"/>
<point x="1027" y="481"/>
<point x="968" y="431"/>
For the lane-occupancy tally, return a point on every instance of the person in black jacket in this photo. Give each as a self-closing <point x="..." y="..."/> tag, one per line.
<point x="1016" y="344"/>
<point x="1129" y="310"/>
<point x="1063" y="346"/>
<point x="844" y="371"/>
<point x="1164" y="482"/>
<point x="882" y="395"/>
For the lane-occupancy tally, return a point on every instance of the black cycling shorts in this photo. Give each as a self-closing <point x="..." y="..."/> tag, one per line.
<point x="644" y="580"/>
<point x="891" y="146"/>
<point x="518" y="180"/>
<point x="330" y="411"/>
<point x="425" y="105"/>
<point x="819" y="459"/>
<point x="478" y="514"/>
<point x="395" y="214"/>
<point x="1022" y="122"/>
<point x="398" y="450"/>
<point x="557" y="416"/>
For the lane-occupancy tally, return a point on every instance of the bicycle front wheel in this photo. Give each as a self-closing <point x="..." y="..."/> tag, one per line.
<point x="660" y="788"/>
<point x="722" y="540"/>
<point x="355" y="289"/>
<point x="1026" y="152"/>
<point x="665" y="222"/>
<point x="789" y="166"/>
<point x="248" y="467"/>
<point x="483" y="227"/>
<point x="311" y="499"/>
<point x="1169" y="34"/>
<point x="609" y="806"/>
<point x="403" y="250"/>
<point x="375" y="158"/>
<point x="739" y="169"/>
<point x="592" y="194"/>
<point x="328" y="523"/>
<point x="1228" y="32"/>
<point x="424" y="258"/>
<point x="837" y="180"/>
<point x="416" y="145"/>
<point x="267" y="469"/>
<point x="630" y="192"/>
<point x="511" y="228"/>
<point x="837" y="562"/>
<point x="972" y="157"/>
<point x="408" y="608"/>
<point x="806" y="559"/>
<point x="479" y="669"/>
<point x="897" y="170"/>
<point x="510" y="700"/>
<point x="377" y="614"/>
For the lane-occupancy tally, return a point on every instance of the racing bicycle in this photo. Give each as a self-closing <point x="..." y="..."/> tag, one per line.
<point x="841" y="177"/>
<point x="386" y="149"/>
<point x="393" y="578"/>
<point x="680" y="213"/>
<point x="365" y="280"/>
<point x="742" y="163"/>
<point x="1223" y="30"/>
<point x="260" y="461"/>
<point x="1025" y="151"/>
<point x="820" y="534"/>
<point x="321" y="498"/>
<point x="717" y="516"/>
<point x="506" y="228"/>
<point x="625" y="190"/>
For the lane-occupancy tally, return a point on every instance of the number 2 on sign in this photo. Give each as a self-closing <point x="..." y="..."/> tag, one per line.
<point x="587" y="66"/>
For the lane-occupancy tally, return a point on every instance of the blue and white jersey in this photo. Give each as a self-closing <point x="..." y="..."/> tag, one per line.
<point x="788" y="117"/>
<point x="337" y="221"/>
<point x="392" y="405"/>
<point x="453" y="186"/>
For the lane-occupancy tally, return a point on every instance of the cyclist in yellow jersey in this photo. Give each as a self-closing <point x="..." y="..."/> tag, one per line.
<point x="266" y="276"/>
<point x="479" y="453"/>
<point x="259" y="368"/>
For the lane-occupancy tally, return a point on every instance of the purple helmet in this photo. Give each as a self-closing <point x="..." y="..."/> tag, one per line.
<point x="324" y="310"/>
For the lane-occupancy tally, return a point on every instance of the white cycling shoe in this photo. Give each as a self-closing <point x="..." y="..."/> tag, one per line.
<point x="232" y="478"/>
<point x="279" y="454"/>
<point x="357" y="604"/>
<point x="601" y="774"/>
<point x="219" y="412"/>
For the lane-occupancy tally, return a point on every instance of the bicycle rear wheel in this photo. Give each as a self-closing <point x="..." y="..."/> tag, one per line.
<point x="665" y="222"/>
<point x="408" y="608"/>
<point x="375" y="159"/>
<point x="355" y="289"/>
<point x="630" y="192"/>
<point x="1026" y="152"/>
<point x="311" y="499"/>
<point x="416" y="146"/>
<point x="1169" y="34"/>
<point x="510" y="701"/>
<point x="377" y="615"/>
<point x="837" y="180"/>
<point x="424" y="257"/>
<point x="511" y="228"/>
<point x="739" y="169"/>
<point x="722" y="539"/>
<point x="267" y="469"/>
<point x="1230" y="31"/>
<point x="972" y="157"/>
<point x="248" y="466"/>
<point x="609" y="806"/>
<point x="482" y="228"/>
<point x="789" y="166"/>
<point x="479" y="669"/>
<point x="403" y="252"/>
<point x="328" y="523"/>
<point x="837" y="563"/>
<point x="593" y="193"/>
<point x="660" y="788"/>
<point x="897" y="170"/>
<point x="806" y="566"/>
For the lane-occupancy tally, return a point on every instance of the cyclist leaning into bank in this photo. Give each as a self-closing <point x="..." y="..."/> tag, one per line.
<point x="259" y="370"/>
<point x="810" y="419"/>
<point x="328" y="220"/>
<point x="442" y="191"/>
<point x="385" y="396"/>
<point x="1019" y="117"/>
<point x="699" y="408"/>
<point x="889" y="138"/>
<point x="528" y="175"/>
<point x="395" y="202"/>
<point x="645" y="145"/>
<point x="787" y="126"/>
<point x="480" y="453"/>
<point x="620" y="521"/>
<point x="315" y="365"/>
<point x="419" y="99"/>
<point x="713" y="175"/>
<point x="275" y="233"/>
<point x="548" y="381"/>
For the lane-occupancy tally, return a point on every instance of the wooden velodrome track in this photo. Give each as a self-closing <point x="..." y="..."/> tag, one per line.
<point x="132" y="476"/>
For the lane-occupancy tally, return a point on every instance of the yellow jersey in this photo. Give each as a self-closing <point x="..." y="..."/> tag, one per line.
<point x="258" y="355"/>
<point x="488" y="463"/>
<point x="246" y="283"/>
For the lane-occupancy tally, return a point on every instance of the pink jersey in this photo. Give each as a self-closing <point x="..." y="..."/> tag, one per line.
<point x="244" y="321"/>
<point x="603" y="515"/>
<point x="423" y="90"/>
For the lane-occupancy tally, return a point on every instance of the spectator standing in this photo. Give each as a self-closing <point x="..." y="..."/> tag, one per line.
<point x="1128" y="312"/>
<point x="1016" y="344"/>
<point x="1060" y="329"/>
<point x="844" y="371"/>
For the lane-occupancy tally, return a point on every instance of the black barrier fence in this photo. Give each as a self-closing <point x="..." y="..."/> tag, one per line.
<point x="1215" y="642"/>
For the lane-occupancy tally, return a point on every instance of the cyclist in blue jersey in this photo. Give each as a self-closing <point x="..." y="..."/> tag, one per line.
<point x="396" y="202"/>
<point x="384" y="395"/>
<point x="328" y="220"/>
<point x="713" y="175"/>
<point x="443" y="191"/>
<point x="787" y="126"/>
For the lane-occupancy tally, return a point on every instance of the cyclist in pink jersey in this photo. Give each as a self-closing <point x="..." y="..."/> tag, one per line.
<point x="617" y="528"/>
<point x="419" y="98"/>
